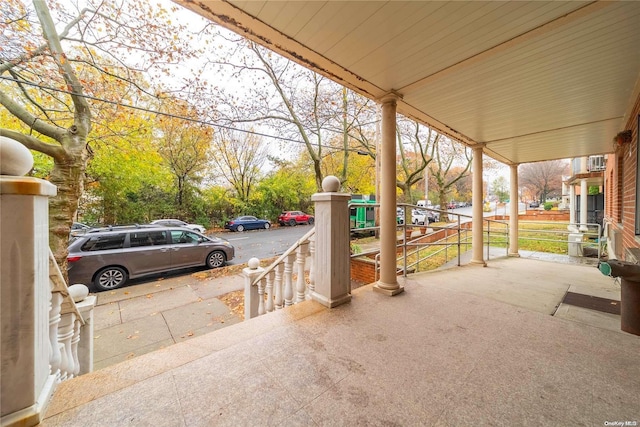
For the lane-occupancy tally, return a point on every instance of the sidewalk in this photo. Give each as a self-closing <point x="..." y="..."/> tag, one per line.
<point x="139" y="319"/>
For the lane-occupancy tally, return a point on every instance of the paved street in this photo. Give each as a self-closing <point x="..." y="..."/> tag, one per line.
<point x="262" y="243"/>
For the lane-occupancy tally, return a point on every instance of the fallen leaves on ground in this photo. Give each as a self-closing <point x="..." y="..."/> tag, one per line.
<point x="228" y="270"/>
<point x="235" y="301"/>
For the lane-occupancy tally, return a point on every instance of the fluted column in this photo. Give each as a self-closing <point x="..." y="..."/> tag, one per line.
<point x="388" y="283"/>
<point x="513" y="213"/>
<point x="477" y="221"/>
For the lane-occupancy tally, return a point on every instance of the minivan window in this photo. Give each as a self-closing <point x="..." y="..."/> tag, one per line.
<point x="101" y="243"/>
<point x="179" y="236"/>
<point x="147" y="238"/>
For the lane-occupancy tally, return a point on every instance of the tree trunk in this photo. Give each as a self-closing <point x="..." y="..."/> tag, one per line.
<point x="68" y="176"/>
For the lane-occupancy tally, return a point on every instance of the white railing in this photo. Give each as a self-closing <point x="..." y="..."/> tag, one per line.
<point x="69" y="306"/>
<point x="283" y="283"/>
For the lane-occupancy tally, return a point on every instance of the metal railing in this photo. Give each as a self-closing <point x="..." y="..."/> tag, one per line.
<point x="436" y="241"/>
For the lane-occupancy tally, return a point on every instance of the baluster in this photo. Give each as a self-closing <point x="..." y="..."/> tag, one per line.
<point x="74" y="347"/>
<point x="312" y="267"/>
<point x="65" y="334"/>
<point x="278" y="286"/>
<point x="261" y="297"/>
<point x="55" y="357"/>
<point x="301" y="284"/>
<point x="288" y="279"/>
<point x="270" y="276"/>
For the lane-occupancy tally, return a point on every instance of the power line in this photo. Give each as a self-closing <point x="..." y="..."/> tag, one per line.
<point x="147" y="110"/>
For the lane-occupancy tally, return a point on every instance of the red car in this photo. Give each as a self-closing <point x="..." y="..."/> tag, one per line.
<point x="295" y="218"/>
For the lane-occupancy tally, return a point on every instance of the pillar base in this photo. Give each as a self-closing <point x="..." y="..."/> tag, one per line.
<point x="32" y="415"/>
<point x="330" y="302"/>
<point x="481" y="262"/>
<point x="514" y="255"/>
<point x="388" y="292"/>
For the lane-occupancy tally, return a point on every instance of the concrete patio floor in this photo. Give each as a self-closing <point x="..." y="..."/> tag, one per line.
<point x="461" y="346"/>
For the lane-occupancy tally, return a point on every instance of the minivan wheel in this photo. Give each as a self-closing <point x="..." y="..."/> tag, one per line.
<point x="110" y="278"/>
<point x="216" y="259"/>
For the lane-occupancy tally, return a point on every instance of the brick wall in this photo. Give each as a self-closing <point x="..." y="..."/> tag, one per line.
<point x="620" y="186"/>
<point x="363" y="270"/>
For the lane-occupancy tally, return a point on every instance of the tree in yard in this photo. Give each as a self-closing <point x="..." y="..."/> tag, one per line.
<point x="500" y="188"/>
<point x="451" y="163"/>
<point x="415" y="148"/>
<point x="51" y="63"/>
<point x="288" y="187"/>
<point x="303" y="105"/>
<point x="185" y="147"/>
<point x="543" y="178"/>
<point x="239" y="158"/>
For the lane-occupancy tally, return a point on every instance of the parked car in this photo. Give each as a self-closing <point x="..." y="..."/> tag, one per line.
<point x="433" y="216"/>
<point x="534" y="205"/>
<point x="246" y="222"/>
<point x="418" y="216"/>
<point x="78" y="229"/>
<point x="178" y="223"/>
<point x="295" y="218"/>
<point x="421" y="216"/>
<point x="399" y="216"/>
<point x="108" y="258"/>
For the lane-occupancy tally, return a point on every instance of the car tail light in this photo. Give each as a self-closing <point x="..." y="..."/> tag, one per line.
<point x="73" y="258"/>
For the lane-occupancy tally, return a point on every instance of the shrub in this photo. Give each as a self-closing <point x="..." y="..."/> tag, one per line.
<point x="548" y="206"/>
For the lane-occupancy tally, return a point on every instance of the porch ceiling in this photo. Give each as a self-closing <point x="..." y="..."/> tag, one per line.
<point x="531" y="81"/>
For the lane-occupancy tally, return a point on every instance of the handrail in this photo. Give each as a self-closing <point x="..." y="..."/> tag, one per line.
<point x="59" y="285"/>
<point x="286" y="253"/>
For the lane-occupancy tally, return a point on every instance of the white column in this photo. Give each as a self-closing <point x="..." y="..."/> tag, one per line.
<point x="584" y="191"/>
<point x="477" y="220"/>
<point x="572" y="204"/>
<point x="332" y="251"/>
<point x="26" y="385"/>
<point x="388" y="283"/>
<point x="513" y="214"/>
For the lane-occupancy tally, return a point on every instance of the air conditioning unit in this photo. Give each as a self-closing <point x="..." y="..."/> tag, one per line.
<point x="597" y="163"/>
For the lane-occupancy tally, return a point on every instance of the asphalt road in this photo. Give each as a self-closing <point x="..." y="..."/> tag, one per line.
<point x="262" y="243"/>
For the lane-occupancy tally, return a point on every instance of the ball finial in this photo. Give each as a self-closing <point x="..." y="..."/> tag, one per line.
<point x="254" y="263"/>
<point x="15" y="158"/>
<point x="331" y="184"/>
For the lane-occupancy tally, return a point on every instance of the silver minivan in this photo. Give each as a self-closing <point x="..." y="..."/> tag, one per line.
<point x="108" y="257"/>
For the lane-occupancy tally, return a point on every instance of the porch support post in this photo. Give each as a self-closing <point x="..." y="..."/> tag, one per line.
<point x="25" y="295"/>
<point x="572" y="204"/>
<point x="513" y="213"/>
<point x="332" y="252"/>
<point x="388" y="283"/>
<point x="477" y="199"/>
<point x="584" y="191"/>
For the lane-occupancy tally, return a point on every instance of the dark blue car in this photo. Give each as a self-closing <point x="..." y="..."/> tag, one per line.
<point x="246" y="222"/>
